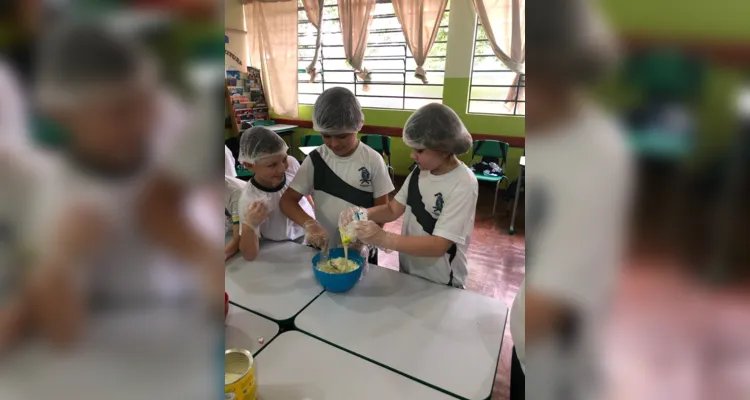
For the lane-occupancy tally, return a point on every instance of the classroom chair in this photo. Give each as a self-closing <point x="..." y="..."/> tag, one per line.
<point x="381" y="144"/>
<point x="491" y="150"/>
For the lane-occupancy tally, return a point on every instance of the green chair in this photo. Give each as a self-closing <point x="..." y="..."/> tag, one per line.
<point x="494" y="149"/>
<point x="381" y="144"/>
<point x="243" y="173"/>
<point x="312" y="140"/>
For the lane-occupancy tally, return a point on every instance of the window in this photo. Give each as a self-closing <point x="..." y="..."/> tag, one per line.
<point x="492" y="82"/>
<point x="387" y="57"/>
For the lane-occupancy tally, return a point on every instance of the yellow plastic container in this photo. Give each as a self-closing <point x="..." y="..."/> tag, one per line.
<point x="240" y="382"/>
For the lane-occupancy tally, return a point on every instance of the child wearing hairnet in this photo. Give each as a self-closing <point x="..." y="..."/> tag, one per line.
<point x="340" y="174"/>
<point x="91" y="248"/>
<point x="263" y="152"/>
<point x="575" y="227"/>
<point x="438" y="201"/>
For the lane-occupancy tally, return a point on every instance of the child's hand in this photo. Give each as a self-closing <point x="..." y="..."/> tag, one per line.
<point x="348" y="215"/>
<point x="371" y="233"/>
<point x="57" y="305"/>
<point x="315" y="234"/>
<point x="81" y="231"/>
<point x="12" y="322"/>
<point x="256" y="214"/>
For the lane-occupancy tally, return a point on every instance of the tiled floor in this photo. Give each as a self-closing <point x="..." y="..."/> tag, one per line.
<point x="496" y="266"/>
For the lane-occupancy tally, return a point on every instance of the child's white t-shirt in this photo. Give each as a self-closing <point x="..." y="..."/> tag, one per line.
<point x="277" y="227"/>
<point x="364" y="170"/>
<point x="450" y="198"/>
<point x="229" y="162"/>
<point x="577" y="196"/>
<point x="233" y="189"/>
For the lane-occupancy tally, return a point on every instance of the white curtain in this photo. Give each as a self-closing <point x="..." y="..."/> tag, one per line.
<point x="420" y="21"/>
<point x="314" y="11"/>
<point x="355" y="17"/>
<point x="504" y="21"/>
<point x="272" y="33"/>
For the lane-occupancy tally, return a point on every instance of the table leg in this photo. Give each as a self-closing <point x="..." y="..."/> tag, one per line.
<point x="512" y="229"/>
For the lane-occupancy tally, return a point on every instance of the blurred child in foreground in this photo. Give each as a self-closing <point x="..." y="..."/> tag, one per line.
<point x="577" y="195"/>
<point x="92" y="245"/>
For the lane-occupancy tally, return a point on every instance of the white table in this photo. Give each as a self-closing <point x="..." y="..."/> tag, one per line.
<point x="284" y="129"/>
<point x="306" y="150"/>
<point x="243" y="330"/>
<point x="446" y="337"/>
<point x="522" y="163"/>
<point x="277" y="284"/>
<point x="136" y="355"/>
<point x="298" y="367"/>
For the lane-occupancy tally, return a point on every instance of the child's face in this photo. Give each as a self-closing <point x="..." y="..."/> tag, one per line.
<point x="429" y="160"/>
<point x="117" y="127"/>
<point x="270" y="170"/>
<point x="342" y="144"/>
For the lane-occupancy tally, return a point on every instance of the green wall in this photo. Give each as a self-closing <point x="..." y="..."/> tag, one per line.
<point x="455" y="95"/>
<point x="691" y="21"/>
<point x="696" y="19"/>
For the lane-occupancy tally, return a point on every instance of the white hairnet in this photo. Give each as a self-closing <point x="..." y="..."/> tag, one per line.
<point x="260" y="142"/>
<point x="337" y="110"/>
<point x="90" y="62"/>
<point x="437" y="127"/>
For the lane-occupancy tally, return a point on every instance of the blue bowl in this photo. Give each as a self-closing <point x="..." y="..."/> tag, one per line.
<point x="338" y="283"/>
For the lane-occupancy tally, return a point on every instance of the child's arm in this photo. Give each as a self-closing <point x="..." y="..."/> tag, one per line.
<point x="56" y="300"/>
<point x="289" y="205"/>
<point x="420" y="246"/>
<point x="249" y="243"/>
<point x="381" y="201"/>
<point x="385" y="213"/>
<point x="161" y="217"/>
<point x="255" y="216"/>
<point x="453" y="226"/>
<point x="301" y="185"/>
<point x="234" y="245"/>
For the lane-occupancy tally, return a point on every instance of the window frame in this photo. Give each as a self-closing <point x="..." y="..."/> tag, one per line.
<point x="405" y="55"/>
<point x="521" y="82"/>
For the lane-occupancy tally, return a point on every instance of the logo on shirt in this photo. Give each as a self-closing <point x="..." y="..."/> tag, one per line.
<point x="364" y="177"/>
<point x="439" y="202"/>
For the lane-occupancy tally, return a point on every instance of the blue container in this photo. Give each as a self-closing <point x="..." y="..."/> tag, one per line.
<point x="338" y="283"/>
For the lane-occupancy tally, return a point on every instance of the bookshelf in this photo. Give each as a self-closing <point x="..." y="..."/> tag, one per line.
<point x="245" y="98"/>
